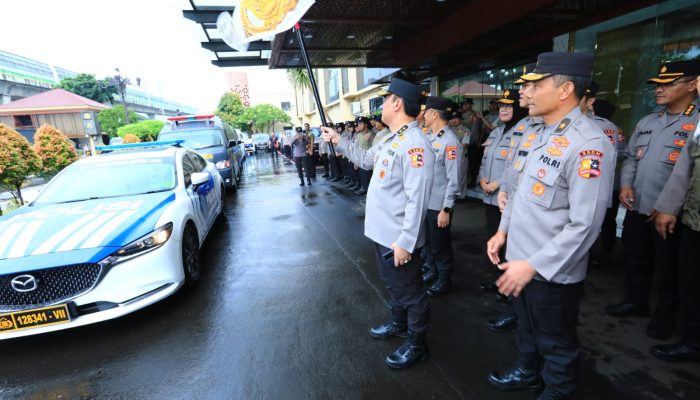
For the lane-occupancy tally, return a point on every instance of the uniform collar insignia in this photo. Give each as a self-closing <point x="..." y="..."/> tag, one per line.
<point x="689" y="110"/>
<point x="564" y="123"/>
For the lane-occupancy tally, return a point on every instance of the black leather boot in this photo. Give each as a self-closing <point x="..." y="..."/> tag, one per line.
<point x="503" y="323"/>
<point x="524" y="375"/>
<point x="428" y="273"/>
<point x="396" y="327"/>
<point x="627" y="308"/>
<point x="442" y="286"/>
<point x="682" y="351"/>
<point x="413" y="349"/>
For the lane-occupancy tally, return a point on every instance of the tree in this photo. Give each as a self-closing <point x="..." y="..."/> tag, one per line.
<point x="266" y="115"/>
<point x="112" y="119"/>
<point x="87" y="86"/>
<point x="54" y="149"/>
<point x="146" y="131"/>
<point x="298" y="78"/>
<point x="230" y="109"/>
<point x="17" y="161"/>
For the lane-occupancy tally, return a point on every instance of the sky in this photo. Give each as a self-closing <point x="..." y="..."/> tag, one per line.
<point x="149" y="39"/>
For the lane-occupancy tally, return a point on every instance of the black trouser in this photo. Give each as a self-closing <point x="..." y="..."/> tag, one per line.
<point x="324" y="161"/>
<point x="309" y="167"/>
<point x="547" y="318"/>
<point x="493" y="220"/>
<point x="365" y="176"/>
<point x="274" y="152"/>
<point x="645" y="251"/>
<point x="475" y="153"/>
<point x="690" y="282"/>
<point x="440" y="244"/>
<point x="288" y="151"/>
<point x="335" y="167"/>
<point x="608" y="232"/>
<point x="405" y="288"/>
<point x="301" y="163"/>
<point x="347" y="170"/>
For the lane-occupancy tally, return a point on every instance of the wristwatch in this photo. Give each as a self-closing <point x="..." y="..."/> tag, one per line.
<point x="447" y="210"/>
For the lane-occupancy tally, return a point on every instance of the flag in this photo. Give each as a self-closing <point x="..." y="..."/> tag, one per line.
<point x="258" y="19"/>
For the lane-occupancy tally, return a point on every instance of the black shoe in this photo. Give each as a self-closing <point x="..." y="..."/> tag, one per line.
<point x="413" y="349"/>
<point x="551" y="394"/>
<point x="440" y="288"/>
<point x="488" y="287"/>
<point x="308" y="181"/>
<point x="504" y="322"/>
<point x="336" y="179"/>
<point x="302" y="183"/>
<point x="501" y="298"/>
<point x="428" y="274"/>
<point x="626" y="309"/>
<point x="324" y="176"/>
<point x="682" y="351"/>
<point x="519" y="377"/>
<point x="661" y="325"/>
<point x="395" y="327"/>
<point x="361" y="192"/>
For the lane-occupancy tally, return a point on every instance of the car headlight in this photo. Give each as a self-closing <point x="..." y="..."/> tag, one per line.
<point x="223" y="164"/>
<point x="142" y="245"/>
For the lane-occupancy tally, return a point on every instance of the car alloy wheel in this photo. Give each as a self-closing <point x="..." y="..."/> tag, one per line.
<point x="191" y="262"/>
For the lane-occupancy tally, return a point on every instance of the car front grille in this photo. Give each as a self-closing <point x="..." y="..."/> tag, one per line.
<point x="54" y="285"/>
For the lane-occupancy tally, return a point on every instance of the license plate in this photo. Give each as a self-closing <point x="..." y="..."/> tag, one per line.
<point x="34" y="318"/>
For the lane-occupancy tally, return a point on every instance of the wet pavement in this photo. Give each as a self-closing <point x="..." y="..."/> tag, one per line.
<point x="282" y="312"/>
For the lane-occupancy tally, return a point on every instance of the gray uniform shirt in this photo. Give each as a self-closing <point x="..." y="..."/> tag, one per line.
<point x="496" y="151"/>
<point x="527" y="129"/>
<point x="651" y="154"/>
<point x="673" y="195"/>
<point x="448" y="158"/>
<point x="379" y="135"/>
<point x="299" y="145"/>
<point x="397" y="199"/>
<point x="617" y="139"/>
<point x="559" y="202"/>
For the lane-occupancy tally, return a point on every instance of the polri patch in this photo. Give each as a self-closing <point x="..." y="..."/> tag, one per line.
<point x="590" y="168"/>
<point x="416" y="154"/>
<point x="451" y="152"/>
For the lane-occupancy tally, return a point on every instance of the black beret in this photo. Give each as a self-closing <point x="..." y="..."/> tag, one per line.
<point x="467" y="101"/>
<point x="340" y="125"/>
<point x="359" y="119"/>
<point x="604" y="108"/>
<point x="669" y="72"/>
<point x="456" y="114"/>
<point x="561" y="63"/>
<point x="592" y="89"/>
<point x="299" y="129"/>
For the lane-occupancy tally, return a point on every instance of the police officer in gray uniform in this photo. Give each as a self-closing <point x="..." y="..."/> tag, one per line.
<point x="397" y="202"/>
<point x="653" y="149"/>
<point x="300" y="145"/>
<point x="448" y="154"/>
<point x="680" y="199"/>
<point x="551" y="220"/>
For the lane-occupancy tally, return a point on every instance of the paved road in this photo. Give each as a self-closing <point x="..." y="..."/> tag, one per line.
<point x="283" y="309"/>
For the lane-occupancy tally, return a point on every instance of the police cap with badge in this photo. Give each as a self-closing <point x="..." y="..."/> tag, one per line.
<point x="669" y="72"/>
<point x="408" y="91"/>
<point x="439" y="104"/>
<point x="361" y="119"/>
<point x="510" y="97"/>
<point x="340" y="125"/>
<point x="591" y="90"/>
<point x="526" y="69"/>
<point x="561" y="63"/>
<point x="299" y="129"/>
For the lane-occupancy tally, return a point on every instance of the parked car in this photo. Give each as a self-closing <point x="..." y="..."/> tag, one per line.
<point x="261" y="141"/>
<point x="249" y="146"/>
<point x="107" y="236"/>
<point x="213" y="139"/>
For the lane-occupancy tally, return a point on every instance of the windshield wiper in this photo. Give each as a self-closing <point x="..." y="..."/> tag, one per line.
<point x="77" y="200"/>
<point x="211" y="145"/>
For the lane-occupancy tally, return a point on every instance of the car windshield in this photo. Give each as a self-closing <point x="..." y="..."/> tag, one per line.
<point x="261" y="137"/>
<point x="110" y="178"/>
<point x="198" y="139"/>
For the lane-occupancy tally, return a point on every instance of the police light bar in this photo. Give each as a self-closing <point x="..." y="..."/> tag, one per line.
<point x="191" y="117"/>
<point x="140" y="146"/>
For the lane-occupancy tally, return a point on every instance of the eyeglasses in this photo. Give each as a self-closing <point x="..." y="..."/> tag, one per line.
<point x="675" y="83"/>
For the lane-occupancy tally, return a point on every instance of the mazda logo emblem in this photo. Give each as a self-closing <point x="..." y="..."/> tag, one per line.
<point x="24" y="283"/>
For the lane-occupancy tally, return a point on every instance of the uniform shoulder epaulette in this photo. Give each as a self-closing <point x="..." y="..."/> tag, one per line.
<point x="588" y="129"/>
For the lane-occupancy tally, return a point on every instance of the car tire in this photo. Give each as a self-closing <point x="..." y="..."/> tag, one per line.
<point x="224" y="207"/>
<point x="191" y="260"/>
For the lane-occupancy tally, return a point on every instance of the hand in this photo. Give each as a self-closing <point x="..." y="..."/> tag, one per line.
<point x="482" y="183"/>
<point x="627" y="197"/>
<point x="329" y="135"/>
<point x="491" y="187"/>
<point x="401" y="256"/>
<point x="651" y="216"/>
<point x="494" y="246"/>
<point x="443" y="219"/>
<point x="665" y="223"/>
<point x="516" y="275"/>
<point x="355" y="167"/>
<point x="502" y="200"/>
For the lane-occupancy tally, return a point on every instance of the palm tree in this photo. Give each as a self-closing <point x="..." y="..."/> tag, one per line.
<point x="299" y="79"/>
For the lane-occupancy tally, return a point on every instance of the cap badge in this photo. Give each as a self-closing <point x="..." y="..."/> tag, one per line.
<point x="506" y="93"/>
<point x="664" y="69"/>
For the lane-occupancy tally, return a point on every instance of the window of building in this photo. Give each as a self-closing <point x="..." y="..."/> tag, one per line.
<point x="332" y="84"/>
<point x="23" y="121"/>
<point x="286" y="106"/>
<point x="375" y="105"/>
<point x="344" y="79"/>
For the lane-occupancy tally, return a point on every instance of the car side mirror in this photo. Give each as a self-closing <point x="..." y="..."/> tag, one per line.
<point x="231" y="143"/>
<point x="199" y="178"/>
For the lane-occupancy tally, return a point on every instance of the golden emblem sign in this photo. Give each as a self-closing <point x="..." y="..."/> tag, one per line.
<point x="260" y="16"/>
<point x="663" y="69"/>
<point x="506" y="93"/>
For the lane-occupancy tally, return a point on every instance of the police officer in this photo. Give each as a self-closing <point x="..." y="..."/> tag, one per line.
<point x="681" y="195"/>
<point x="653" y="149"/>
<point x="448" y="156"/>
<point x="365" y="137"/>
<point x="600" y="112"/>
<point x="324" y="154"/>
<point x="551" y="220"/>
<point x="310" y="166"/>
<point x="300" y="145"/>
<point x="397" y="201"/>
<point x="463" y="135"/>
<point x="382" y="130"/>
<point x="336" y="170"/>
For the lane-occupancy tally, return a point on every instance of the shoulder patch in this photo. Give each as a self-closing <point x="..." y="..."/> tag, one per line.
<point x="416" y="154"/>
<point x="591" y="153"/>
<point x="451" y="152"/>
<point x="589" y="168"/>
<point x="564" y="123"/>
<point x="689" y="110"/>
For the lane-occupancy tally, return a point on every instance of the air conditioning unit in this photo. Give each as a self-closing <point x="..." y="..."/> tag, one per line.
<point x="356" y="107"/>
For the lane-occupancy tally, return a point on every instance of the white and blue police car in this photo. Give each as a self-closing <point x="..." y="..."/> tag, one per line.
<point x="107" y="236"/>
